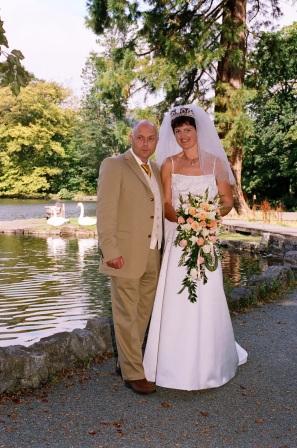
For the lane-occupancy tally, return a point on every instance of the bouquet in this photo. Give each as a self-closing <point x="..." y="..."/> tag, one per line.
<point x="198" y="220"/>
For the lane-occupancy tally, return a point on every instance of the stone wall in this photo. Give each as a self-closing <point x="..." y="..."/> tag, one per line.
<point x="29" y="367"/>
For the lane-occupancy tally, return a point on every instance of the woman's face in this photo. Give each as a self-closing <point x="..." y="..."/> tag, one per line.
<point x="186" y="136"/>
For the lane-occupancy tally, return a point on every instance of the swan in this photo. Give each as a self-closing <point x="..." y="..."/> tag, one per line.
<point x="56" y="220"/>
<point x="85" y="220"/>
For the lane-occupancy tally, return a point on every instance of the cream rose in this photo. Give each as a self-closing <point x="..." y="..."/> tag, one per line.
<point x="206" y="249"/>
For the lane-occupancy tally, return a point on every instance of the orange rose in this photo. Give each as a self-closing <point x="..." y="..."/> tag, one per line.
<point x="195" y="225"/>
<point x="192" y="211"/>
<point x="202" y="215"/>
<point x="212" y="224"/>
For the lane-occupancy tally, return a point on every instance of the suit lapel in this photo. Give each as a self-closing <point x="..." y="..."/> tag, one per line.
<point x="136" y="168"/>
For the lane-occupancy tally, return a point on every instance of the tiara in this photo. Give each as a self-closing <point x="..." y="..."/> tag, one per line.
<point x="181" y="112"/>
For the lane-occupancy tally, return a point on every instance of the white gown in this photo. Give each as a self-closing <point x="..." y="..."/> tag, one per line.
<point x="190" y="346"/>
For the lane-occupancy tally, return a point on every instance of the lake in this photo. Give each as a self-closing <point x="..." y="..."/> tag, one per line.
<point x="52" y="284"/>
<point x="11" y="209"/>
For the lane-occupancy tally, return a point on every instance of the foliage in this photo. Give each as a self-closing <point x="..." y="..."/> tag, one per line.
<point x="35" y="130"/>
<point x="102" y="129"/>
<point x="270" y="166"/>
<point x="12" y="73"/>
<point x="177" y="44"/>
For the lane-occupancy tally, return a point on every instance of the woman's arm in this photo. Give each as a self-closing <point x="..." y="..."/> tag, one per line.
<point x="166" y="172"/>
<point x="226" y="197"/>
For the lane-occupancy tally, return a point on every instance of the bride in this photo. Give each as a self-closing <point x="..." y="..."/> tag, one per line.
<point x="191" y="346"/>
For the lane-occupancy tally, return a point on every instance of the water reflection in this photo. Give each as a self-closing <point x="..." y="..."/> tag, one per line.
<point x="48" y="285"/>
<point x="53" y="284"/>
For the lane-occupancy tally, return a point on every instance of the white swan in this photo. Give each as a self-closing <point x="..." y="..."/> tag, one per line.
<point x="56" y="220"/>
<point x="85" y="220"/>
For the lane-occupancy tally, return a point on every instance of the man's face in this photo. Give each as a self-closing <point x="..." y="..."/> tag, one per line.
<point x="144" y="140"/>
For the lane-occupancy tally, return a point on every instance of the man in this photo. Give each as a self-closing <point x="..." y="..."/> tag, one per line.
<point x="129" y="222"/>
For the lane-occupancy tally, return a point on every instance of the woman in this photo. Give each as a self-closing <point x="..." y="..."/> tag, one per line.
<point x="190" y="346"/>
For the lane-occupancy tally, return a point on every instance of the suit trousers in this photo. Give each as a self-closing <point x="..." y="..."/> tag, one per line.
<point x="132" y="302"/>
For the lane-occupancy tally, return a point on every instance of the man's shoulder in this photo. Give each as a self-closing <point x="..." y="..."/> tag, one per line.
<point x="115" y="161"/>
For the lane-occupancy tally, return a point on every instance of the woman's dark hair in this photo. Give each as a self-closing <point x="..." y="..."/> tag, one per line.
<point x="183" y="119"/>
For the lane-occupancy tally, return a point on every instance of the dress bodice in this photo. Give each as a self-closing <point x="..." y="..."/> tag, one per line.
<point x="183" y="184"/>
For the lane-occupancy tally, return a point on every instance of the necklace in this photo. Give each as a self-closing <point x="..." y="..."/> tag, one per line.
<point x="192" y="161"/>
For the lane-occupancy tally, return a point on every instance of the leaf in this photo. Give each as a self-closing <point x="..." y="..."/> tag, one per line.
<point x="17" y="53"/>
<point x="166" y="404"/>
<point x="92" y="432"/>
<point x="260" y="420"/>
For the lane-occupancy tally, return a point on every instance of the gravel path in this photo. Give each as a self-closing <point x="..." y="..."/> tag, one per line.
<point x="92" y="409"/>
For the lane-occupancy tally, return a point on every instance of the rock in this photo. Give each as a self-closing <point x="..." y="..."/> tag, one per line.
<point x="241" y="296"/>
<point x="273" y="273"/>
<point x="291" y="257"/>
<point x="29" y="367"/>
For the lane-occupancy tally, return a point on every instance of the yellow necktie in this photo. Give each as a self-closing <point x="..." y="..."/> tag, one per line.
<point x="147" y="169"/>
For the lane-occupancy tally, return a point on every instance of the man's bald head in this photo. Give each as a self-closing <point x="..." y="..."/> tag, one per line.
<point x="144" y="123"/>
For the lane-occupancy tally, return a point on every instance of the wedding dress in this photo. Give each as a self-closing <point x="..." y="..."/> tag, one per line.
<point x="190" y="346"/>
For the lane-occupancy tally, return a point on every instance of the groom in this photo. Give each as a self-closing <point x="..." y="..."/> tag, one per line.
<point x="129" y="222"/>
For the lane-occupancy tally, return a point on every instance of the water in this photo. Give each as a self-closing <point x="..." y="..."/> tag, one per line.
<point x="48" y="285"/>
<point x="52" y="284"/>
<point x="11" y="209"/>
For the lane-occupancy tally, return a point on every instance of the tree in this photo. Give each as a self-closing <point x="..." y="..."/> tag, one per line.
<point x="271" y="153"/>
<point x="12" y="73"/>
<point x="184" y="49"/>
<point x="102" y="128"/>
<point x="35" y="130"/>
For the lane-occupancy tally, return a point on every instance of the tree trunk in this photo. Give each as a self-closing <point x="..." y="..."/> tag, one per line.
<point x="230" y="73"/>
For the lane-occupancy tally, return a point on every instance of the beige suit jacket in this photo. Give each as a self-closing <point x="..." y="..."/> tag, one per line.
<point x="125" y="214"/>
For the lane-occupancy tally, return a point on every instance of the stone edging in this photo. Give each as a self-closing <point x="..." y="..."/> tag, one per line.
<point x="263" y="286"/>
<point x="30" y="367"/>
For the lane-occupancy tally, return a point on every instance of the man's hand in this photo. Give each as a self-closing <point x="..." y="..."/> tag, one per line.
<point x="116" y="263"/>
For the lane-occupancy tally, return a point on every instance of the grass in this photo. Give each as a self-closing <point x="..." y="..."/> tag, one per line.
<point x="235" y="236"/>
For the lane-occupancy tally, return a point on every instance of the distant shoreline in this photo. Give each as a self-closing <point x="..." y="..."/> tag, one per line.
<point x="39" y="226"/>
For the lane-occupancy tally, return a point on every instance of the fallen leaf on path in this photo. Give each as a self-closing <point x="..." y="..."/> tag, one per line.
<point x="166" y="404"/>
<point x="92" y="432"/>
<point x="259" y="420"/>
